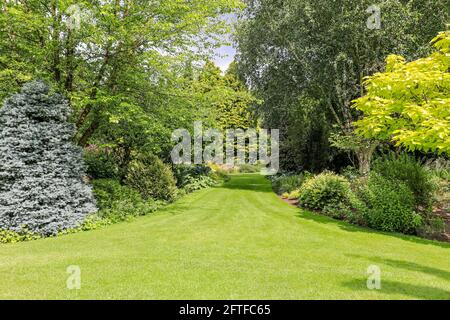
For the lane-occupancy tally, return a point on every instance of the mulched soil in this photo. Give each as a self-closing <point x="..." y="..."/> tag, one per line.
<point x="291" y="202"/>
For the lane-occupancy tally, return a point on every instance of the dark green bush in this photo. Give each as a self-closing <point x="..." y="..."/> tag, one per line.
<point x="195" y="177"/>
<point x="152" y="178"/>
<point x="350" y="173"/>
<point x="389" y="205"/>
<point x="125" y="210"/>
<point x="183" y="172"/>
<point x="325" y="189"/>
<point x="287" y="183"/>
<point x="109" y="191"/>
<point x="339" y="211"/>
<point x="119" y="203"/>
<point x="249" y="168"/>
<point x="412" y="173"/>
<point x="439" y="167"/>
<point x="198" y="183"/>
<point x="100" y="165"/>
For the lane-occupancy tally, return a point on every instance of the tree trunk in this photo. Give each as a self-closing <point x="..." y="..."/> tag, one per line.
<point x="87" y="134"/>
<point x="364" y="155"/>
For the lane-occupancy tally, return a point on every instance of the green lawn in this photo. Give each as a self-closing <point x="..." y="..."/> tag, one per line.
<point x="238" y="241"/>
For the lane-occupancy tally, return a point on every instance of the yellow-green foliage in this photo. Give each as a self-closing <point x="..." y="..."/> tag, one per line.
<point x="410" y="102"/>
<point x="231" y="101"/>
<point x="324" y="190"/>
<point x="8" y="236"/>
<point x="294" y="195"/>
<point x="91" y="223"/>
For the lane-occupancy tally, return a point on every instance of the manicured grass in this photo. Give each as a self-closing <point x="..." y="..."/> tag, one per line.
<point x="238" y="241"/>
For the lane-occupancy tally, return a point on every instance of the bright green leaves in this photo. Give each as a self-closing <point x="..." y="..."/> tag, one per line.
<point x="122" y="64"/>
<point x="230" y="100"/>
<point x="410" y="102"/>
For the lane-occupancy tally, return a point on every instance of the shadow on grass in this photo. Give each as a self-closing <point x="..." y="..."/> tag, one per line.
<point x="395" y="287"/>
<point x="317" y="217"/>
<point x="407" y="265"/>
<point x="174" y="209"/>
<point x="181" y="206"/>
<point x="253" y="182"/>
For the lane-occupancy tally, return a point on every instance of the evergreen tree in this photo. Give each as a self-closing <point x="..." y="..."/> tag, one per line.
<point x="41" y="171"/>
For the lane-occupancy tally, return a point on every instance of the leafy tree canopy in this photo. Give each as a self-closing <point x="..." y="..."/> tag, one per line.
<point x="409" y="103"/>
<point x="306" y="59"/>
<point x="230" y="100"/>
<point x="118" y="62"/>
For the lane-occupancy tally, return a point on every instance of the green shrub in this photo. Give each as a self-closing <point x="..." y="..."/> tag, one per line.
<point x="8" y="236"/>
<point x="195" y="177"/>
<point x="337" y="210"/>
<point x="389" y="205"/>
<point x="412" y="173"/>
<point x="152" y="178"/>
<point x="92" y="222"/>
<point x="249" y="168"/>
<point x="287" y="183"/>
<point x="100" y="165"/>
<point x="294" y="195"/>
<point x="120" y="203"/>
<point x="126" y="210"/>
<point x="439" y="167"/>
<point x="350" y="173"/>
<point x="110" y="191"/>
<point x="432" y="228"/>
<point x="324" y="190"/>
<point x="183" y="171"/>
<point x="198" y="183"/>
<point x="219" y="176"/>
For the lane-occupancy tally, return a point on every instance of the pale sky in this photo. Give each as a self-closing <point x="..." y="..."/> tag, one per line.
<point x="227" y="53"/>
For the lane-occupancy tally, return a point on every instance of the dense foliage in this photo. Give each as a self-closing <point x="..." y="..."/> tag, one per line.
<point x="229" y="99"/>
<point x="390" y="205"/>
<point x="324" y="190"/>
<point x="409" y="103"/>
<point x="129" y="68"/>
<point x="118" y="202"/>
<point x="41" y="171"/>
<point x="287" y="183"/>
<point x="152" y="178"/>
<point x="405" y="169"/>
<point x="396" y="196"/>
<point x="306" y="60"/>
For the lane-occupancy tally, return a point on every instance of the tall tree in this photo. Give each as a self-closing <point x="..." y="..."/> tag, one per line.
<point x="322" y="50"/>
<point x="229" y="99"/>
<point x="112" y="58"/>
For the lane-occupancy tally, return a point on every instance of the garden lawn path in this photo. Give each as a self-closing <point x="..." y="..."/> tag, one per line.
<point x="236" y="241"/>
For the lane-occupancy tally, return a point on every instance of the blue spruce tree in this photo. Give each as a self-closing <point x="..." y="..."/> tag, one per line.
<point x="41" y="171"/>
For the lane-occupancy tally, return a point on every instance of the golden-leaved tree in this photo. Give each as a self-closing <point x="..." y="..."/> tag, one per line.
<point x="409" y="103"/>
